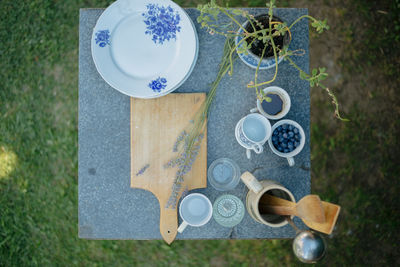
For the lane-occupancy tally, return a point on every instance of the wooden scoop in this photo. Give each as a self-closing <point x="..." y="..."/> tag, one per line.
<point x="331" y="212"/>
<point x="308" y="208"/>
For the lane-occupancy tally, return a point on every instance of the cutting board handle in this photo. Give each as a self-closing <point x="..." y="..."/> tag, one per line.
<point x="168" y="224"/>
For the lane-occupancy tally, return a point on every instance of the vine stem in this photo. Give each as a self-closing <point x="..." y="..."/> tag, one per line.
<point x="233" y="49"/>
<point x="249" y="19"/>
<point x="334" y="101"/>
<point x="276" y="69"/>
<point x="294" y="64"/>
<point x="224" y="68"/>
<point x="233" y="19"/>
<point x="332" y="96"/>
<point x="256" y="73"/>
<point x="300" y="18"/>
<point x="275" y="58"/>
<point x="289" y="31"/>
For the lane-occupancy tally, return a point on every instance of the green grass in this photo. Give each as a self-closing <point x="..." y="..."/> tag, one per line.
<point x="354" y="164"/>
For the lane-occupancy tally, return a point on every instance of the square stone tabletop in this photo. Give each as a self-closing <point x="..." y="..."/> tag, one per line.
<point x="110" y="209"/>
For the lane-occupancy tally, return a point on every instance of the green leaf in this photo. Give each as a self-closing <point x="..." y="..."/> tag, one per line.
<point x="237" y="12"/>
<point x="303" y="75"/>
<point x="314" y="72"/>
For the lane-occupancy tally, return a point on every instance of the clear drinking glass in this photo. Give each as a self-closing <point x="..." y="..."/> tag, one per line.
<point x="223" y="174"/>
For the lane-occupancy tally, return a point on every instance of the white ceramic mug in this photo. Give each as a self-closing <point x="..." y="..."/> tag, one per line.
<point x="286" y="103"/>
<point x="289" y="156"/>
<point x="195" y="210"/>
<point x="252" y="132"/>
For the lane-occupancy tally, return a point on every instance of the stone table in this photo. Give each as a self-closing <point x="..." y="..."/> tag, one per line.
<point x="110" y="209"/>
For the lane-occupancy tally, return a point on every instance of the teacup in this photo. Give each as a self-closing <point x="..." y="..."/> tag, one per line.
<point x="252" y="132"/>
<point x="288" y="154"/>
<point x="283" y="95"/>
<point x="195" y="210"/>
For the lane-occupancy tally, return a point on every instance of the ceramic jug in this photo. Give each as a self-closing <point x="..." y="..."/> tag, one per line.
<point x="254" y="199"/>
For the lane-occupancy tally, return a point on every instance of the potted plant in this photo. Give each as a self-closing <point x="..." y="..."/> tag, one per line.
<point x="251" y="50"/>
<point x="261" y="42"/>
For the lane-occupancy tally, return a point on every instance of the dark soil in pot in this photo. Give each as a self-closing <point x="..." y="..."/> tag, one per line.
<point x="258" y="46"/>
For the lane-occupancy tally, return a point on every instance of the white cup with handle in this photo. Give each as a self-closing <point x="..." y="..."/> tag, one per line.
<point x="284" y="97"/>
<point x="252" y="131"/>
<point x="195" y="210"/>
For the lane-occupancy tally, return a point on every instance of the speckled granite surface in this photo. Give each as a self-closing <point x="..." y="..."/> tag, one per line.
<point x="110" y="209"/>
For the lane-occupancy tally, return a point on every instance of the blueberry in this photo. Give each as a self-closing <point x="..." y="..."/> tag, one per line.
<point x="281" y="139"/>
<point x="274" y="138"/>
<point x="280" y="148"/>
<point x="284" y="126"/>
<point x="290" y="127"/>
<point x="279" y="128"/>
<point x="296" y="144"/>
<point x="290" y="147"/>
<point x="275" y="132"/>
<point x="291" y="134"/>
<point x="292" y="140"/>
<point x="295" y="130"/>
<point x="286" y="150"/>
<point x="285" y="135"/>
<point x="290" y="143"/>
<point x="284" y="145"/>
<point x="297" y="137"/>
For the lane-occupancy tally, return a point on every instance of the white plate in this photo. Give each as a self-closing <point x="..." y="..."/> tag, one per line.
<point x="144" y="48"/>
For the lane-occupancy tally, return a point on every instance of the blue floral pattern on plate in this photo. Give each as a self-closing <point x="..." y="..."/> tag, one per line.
<point x="252" y="60"/>
<point x="161" y="22"/>
<point x="103" y="38"/>
<point x="158" y="84"/>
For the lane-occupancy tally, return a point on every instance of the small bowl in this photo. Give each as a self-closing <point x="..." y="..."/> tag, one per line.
<point x="223" y="174"/>
<point x="285" y="99"/>
<point x="289" y="156"/>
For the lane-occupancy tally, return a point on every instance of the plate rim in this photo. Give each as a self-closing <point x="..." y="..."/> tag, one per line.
<point x="128" y="92"/>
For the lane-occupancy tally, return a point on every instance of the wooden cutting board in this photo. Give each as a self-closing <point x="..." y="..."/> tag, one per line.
<point x="155" y="126"/>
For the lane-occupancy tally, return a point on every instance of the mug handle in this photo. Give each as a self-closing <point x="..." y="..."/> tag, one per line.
<point x="258" y="148"/>
<point x="248" y="153"/>
<point x="290" y="161"/>
<point x="182" y="226"/>
<point x="253" y="110"/>
<point x="251" y="182"/>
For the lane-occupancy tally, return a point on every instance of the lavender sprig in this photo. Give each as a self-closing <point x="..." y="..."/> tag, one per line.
<point x="142" y="170"/>
<point x="192" y="141"/>
<point x="184" y="161"/>
<point x="179" y="140"/>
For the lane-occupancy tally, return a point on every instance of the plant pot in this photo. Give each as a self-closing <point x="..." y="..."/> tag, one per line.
<point x="253" y="55"/>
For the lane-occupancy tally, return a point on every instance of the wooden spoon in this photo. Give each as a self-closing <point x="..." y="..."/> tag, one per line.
<point x="308" y="208"/>
<point x="331" y="212"/>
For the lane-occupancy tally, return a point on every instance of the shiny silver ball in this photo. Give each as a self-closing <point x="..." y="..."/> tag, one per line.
<point x="309" y="247"/>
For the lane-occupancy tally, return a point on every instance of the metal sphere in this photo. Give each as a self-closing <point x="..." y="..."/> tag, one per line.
<point x="309" y="247"/>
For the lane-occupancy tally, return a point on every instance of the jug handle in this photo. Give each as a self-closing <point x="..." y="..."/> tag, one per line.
<point x="251" y="182"/>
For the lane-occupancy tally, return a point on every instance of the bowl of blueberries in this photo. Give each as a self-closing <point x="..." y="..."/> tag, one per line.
<point x="287" y="139"/>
